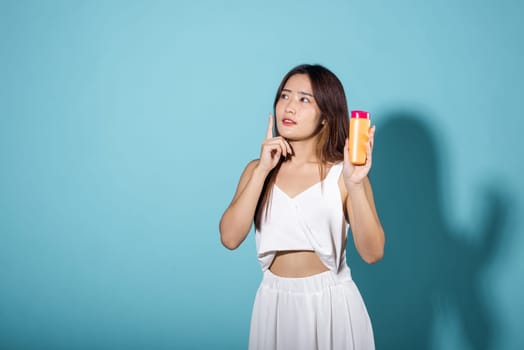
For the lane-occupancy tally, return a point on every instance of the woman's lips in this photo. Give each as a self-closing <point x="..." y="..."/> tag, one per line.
<point x="288" y="122"/>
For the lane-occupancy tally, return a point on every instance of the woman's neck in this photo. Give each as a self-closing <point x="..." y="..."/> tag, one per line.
<point x="304" y="152"/>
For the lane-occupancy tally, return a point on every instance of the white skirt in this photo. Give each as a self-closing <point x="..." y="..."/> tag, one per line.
<point x="320" y="312"/>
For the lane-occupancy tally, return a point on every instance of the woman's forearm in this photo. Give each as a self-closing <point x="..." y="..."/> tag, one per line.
<point x="368" y="233"/>
<point x="238" y="217"/>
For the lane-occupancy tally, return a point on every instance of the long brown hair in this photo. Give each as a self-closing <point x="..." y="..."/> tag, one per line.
<point x="331" y="100"/>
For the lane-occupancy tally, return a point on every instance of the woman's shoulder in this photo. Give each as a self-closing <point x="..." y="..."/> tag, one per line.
<point x="337" y="164"/>
<point x="252" y="164"/>
<point x="248" y="170"/>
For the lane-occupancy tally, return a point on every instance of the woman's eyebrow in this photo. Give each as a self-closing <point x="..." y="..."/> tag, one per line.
<point x="300" y="92"/>
<point x="306" y="93"/>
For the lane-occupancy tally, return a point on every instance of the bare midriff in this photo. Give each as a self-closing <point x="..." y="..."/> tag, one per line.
<point x="297" y="263"/>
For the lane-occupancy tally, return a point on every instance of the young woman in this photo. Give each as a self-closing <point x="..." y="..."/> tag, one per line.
<point x="302" y="193"/>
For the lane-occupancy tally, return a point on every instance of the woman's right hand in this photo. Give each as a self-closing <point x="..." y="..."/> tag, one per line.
<point x="272" y="149"/>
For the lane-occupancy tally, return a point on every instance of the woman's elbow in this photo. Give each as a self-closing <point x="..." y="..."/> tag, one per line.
<point x="373" y="258"/>
<point x="376" y="254"/>
<point x="227" y="237"/>
<point x="229" y="243"/>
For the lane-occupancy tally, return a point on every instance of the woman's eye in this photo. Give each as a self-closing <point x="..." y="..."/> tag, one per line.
<point x="283" y="96"/>
<point x="304" y="99"/>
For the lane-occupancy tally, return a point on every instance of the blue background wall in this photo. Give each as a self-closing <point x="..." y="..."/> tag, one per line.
<point x="124" y="126"/>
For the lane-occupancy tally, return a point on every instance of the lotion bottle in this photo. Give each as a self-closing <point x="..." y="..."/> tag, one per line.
<point x="359" y="125"/>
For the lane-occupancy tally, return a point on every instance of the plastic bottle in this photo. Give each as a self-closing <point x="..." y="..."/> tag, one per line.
<point x="359" y="125"/>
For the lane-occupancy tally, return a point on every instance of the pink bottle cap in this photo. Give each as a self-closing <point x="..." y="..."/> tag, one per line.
<point x="360" y="114"/>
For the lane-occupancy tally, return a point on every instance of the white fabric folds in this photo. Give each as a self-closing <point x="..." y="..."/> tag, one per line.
<point x="320" y="312"/>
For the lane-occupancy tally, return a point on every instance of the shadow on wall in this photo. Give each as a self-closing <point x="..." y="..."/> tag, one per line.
<point x="427" y="264"/>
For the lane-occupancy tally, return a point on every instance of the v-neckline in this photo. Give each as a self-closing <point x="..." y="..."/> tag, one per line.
<point x="307" y="189"/>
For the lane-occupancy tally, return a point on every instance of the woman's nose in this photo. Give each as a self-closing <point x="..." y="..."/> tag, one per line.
<point x="290" y="107"/>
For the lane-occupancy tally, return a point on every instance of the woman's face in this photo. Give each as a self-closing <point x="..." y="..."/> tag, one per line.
<point x="297" y="112"/>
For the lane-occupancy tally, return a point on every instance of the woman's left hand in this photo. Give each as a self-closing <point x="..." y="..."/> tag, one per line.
<point x="354" y="174"/>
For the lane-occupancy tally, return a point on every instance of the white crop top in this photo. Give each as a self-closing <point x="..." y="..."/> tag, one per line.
<point x="312" y="220"/>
